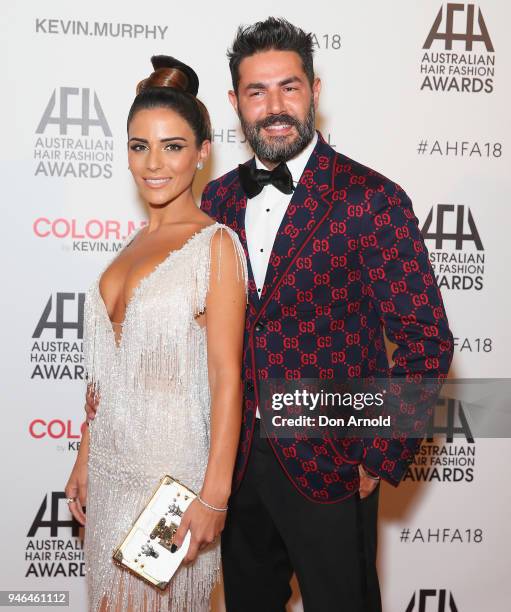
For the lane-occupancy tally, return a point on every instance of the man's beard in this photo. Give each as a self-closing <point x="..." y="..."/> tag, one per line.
<point x="279" y="149"/>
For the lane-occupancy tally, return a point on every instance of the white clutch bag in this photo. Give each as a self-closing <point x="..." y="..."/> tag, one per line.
<point x="146" y="550"/>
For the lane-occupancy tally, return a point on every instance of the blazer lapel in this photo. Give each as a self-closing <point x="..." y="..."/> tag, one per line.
<point x="307" y="210"/>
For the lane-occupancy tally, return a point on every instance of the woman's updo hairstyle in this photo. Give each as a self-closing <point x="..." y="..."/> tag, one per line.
<point x="173" y="85"/>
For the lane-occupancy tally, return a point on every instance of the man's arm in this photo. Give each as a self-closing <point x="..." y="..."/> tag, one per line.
<point x="209" y="200"/>
<point x="399" y="278"/>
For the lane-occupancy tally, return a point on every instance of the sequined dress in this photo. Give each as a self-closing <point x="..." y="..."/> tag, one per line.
<point x="153" y="419"/>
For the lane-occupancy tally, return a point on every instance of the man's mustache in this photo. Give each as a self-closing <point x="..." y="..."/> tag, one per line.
<point x="273" y="119"/>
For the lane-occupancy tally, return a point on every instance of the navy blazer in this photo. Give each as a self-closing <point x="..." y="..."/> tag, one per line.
<point x="348" y="262"/>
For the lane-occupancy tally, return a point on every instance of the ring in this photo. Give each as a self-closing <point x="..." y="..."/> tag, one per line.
<point x="70" y="500"/>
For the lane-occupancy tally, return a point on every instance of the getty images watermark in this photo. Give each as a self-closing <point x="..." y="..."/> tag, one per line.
<point x="384" y="408"/>
<point x="312" y="401"/>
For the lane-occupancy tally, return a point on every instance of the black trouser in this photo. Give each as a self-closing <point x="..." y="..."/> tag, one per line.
<point x="272" y="530"/>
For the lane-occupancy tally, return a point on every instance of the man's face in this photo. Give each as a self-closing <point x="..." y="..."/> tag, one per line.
<point x="276" y="104"/>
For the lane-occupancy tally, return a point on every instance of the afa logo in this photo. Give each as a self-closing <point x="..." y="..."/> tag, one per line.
<point x="54" y="548"/>
<point x="57" y="348"/>
<point x="447" y="460"/>
<point x="61" y="322"/>
<point x="73" y="137"/>
<point x="54" y="523"/>
<point x="468" y="35"/>
<point x="432" y="600"/>
<point x="459" y="236"/>
<point x="458" y="54"/>
<point x="453" y="412"/>
<point x="458" y="258"/>
<point x="85" y="120"/>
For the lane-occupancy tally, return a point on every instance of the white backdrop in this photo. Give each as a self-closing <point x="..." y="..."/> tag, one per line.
<point x="433" y="119"/>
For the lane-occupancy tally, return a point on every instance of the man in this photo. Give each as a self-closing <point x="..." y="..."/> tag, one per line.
<point x="335" y="254"/>
<point x="335" y="258"/>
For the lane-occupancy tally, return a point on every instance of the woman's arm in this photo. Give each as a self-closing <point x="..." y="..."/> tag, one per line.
<point x="77" y="483"/>
<point x="225" y="320"/>
<point x="225" y="316"/>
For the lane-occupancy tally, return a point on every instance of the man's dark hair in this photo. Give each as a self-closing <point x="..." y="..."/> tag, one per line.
<point x="274" y="33"/>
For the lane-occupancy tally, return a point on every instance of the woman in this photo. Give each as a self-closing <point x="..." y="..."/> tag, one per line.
<point x="163" y="341"/>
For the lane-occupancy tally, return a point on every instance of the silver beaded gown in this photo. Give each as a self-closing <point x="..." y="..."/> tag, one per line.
<point x="153" y="419"/>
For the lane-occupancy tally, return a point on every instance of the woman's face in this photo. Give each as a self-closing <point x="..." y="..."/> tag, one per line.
<point x="163" y="154"/>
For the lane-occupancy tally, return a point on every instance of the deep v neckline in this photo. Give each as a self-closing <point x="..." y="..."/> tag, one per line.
<point x="141" y="283"/>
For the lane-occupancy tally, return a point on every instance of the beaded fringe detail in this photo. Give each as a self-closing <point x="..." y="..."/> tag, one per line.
<point x="116" y="588"/>
<point x="152" y="341"/>
<point x="153" y="418"/>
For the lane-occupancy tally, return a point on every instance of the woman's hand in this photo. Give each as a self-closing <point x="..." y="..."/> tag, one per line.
<point x="77" y="487"/>
<point x="91" y="402"/>
<point x="205" y="526"/>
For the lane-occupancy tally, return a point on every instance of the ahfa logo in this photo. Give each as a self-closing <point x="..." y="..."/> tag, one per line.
<point x="432" y="594"/>
<point x="453" y="409"/>
<point x="470" y="67"/>
<point x="468" y="36"/>
<point x="447" y="460"/>
<point x="54" y="523"/>
<point x="459" y="236"/>
<point x="86" y="121"/>
<point x="459" y="267"/>
<point x="61" y="323"/>
<point x="56" y="358"/>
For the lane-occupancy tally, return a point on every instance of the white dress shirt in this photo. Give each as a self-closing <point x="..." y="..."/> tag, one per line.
<point x="264" y="214"/>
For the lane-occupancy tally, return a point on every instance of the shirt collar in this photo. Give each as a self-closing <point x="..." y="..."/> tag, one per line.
<point x="297" y="164"/>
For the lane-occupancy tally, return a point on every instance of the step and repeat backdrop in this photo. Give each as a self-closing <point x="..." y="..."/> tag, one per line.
<point x="417" y="90"/>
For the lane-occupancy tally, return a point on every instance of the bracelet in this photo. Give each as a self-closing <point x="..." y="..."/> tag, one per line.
<point x="370" y="476"/>
<point x="199" y="498"/>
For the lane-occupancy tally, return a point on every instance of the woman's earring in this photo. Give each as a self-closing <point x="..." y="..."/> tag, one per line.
<point x="200" y="165"/>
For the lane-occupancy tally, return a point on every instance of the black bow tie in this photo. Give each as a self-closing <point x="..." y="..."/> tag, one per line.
<point x="253" y="179"/>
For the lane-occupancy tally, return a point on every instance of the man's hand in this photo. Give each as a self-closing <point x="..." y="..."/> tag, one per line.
<point x="91" y="403"/>
<point x="367" y="484"/>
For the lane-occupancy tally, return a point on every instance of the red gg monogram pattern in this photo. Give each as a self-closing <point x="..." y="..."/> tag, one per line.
<point x="348" y="262"/>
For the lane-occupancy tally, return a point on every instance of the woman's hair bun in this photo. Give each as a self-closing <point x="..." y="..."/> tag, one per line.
<point x="170" y="72"/>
